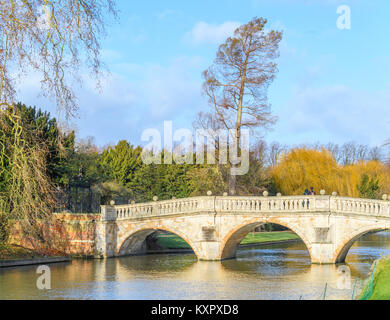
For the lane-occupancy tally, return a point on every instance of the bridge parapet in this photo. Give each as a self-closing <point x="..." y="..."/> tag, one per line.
<point x="255" y="205"/>
<point x="265" y="204"/>
<point x="360" y="206"/>
<point x="153" y="209"/>
<point x="210" y="204"/>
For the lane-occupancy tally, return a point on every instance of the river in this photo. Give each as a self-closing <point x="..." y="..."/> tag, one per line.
<point x="281" y="271"/>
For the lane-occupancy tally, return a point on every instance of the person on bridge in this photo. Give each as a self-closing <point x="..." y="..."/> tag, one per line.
<point x="312" y="192"/>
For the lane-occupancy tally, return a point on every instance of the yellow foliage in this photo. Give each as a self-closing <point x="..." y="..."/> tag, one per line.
<point x="301" y="169"/>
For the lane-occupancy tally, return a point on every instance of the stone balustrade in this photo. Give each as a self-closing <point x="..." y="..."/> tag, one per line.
<point x="248" y="205"/>
<point x="360" y="206"/>
<point x="265" y="204"/>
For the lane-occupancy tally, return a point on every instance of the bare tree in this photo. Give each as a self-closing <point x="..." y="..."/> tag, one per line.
<point x="49" y="38"/>
<point x="87" y="145"/>
<point x="236" y="84"/>
<point x="275" y="150"/>
<point x="351" y="153"/>
<point x="335" y="150"/>
<point x="375" y="154"/>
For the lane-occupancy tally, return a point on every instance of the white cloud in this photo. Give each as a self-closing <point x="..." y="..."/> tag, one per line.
<point x="204" y="33"/>
<point x="167" y="13"/>
<point x="335" y="114"/>
<point x="141" y="97"/>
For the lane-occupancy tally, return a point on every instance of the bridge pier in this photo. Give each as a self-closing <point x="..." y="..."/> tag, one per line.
<point x="105" y="239"/>
<point x="106" y="233"/>
<point x="209" y="251"/>
<point x="322" y="253"/>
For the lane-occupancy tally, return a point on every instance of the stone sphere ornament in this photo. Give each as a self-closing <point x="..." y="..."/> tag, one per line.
<point x="155" y="198"/>
<point x="322" y="192"/>
<point x="265" y="193"/>
<point x="385" y="197"/>
<point x="279" y="195"/>
<point x="225" y="194"/>
<point x="334" y="194"/>
<point x="112" y="203"/>
<point x="209" y="193"/>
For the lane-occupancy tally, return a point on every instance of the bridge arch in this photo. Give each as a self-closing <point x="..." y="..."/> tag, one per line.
<point x="343" y="249"/>
<point x="134" y="242"/>
<point x="232" y="240"/>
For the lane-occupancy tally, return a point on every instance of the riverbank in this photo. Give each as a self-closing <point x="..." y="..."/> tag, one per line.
<point x="16" y="252"/>
<point x="173" y="242"/>
<point x="29" y="262"/>
<point x="378" y="284"/>
<point x="14" y="256"/>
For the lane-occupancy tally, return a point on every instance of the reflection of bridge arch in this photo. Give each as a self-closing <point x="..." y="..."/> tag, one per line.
<point x="134" y="242"/>
<point x="346" y="244"/>
<point x="232" y="240"/>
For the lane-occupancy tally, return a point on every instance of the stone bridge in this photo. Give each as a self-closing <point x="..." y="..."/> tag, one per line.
<point x="215" y="225"/>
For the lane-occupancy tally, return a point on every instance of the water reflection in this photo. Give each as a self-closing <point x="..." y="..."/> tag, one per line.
<point x="266" y="272"/>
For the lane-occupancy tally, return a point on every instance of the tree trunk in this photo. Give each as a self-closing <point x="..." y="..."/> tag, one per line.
<point x="233" y="178"/>
<point x="232" y="184"/>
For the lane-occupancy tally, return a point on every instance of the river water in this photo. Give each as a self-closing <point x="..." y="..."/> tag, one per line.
<point x="281" y="271"/>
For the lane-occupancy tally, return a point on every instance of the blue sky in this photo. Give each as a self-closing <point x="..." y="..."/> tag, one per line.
<point x="332" y="85"/>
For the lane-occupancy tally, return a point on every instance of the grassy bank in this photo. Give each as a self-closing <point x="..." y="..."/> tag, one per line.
<point x="14" y="252"/>
<point x="378" y="285"/>
<point x="264" y="237"/>
<point x="170" y="241"/>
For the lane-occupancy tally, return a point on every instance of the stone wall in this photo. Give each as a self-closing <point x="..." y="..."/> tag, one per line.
<point x="77" y="230"/>
<point x="80" y="232"/>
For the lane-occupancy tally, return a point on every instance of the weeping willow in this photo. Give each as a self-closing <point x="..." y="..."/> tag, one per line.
<point x="29" y="196"/>
<point x="50" y="40"/>
<point x="303" y="168"/>
<point x="4" y="220"/>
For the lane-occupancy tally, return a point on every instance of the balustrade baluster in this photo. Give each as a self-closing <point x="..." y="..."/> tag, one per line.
<point x="252" y="204"/>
